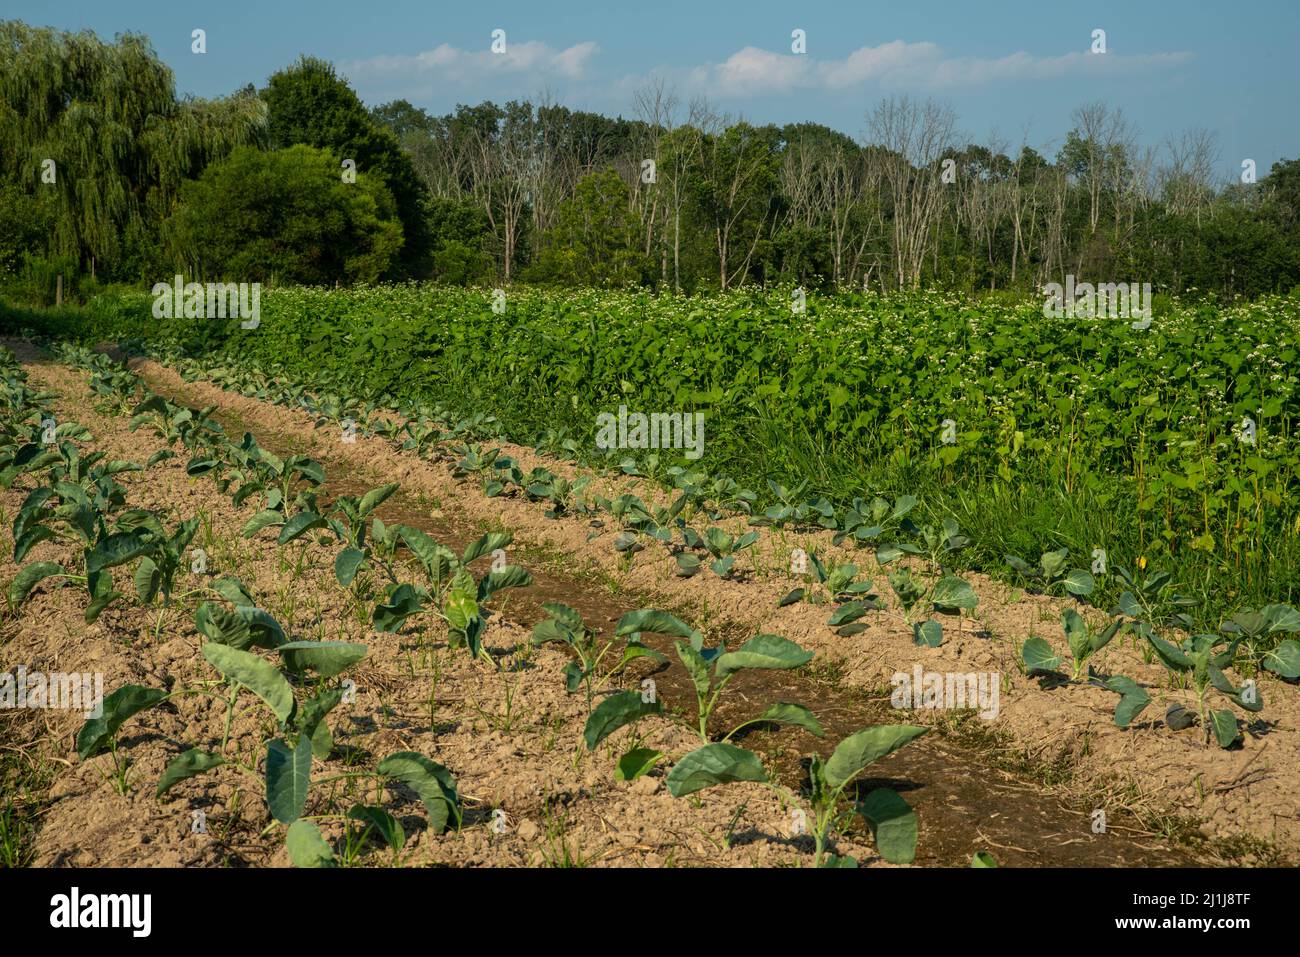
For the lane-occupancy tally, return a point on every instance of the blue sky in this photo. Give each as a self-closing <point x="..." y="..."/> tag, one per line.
<point x="1014" y="69"/>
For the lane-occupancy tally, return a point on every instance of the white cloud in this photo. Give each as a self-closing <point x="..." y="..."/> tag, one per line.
<point x="526" y="67"/>
<point x="528" y="61"/>
<point x="752" y="71"/>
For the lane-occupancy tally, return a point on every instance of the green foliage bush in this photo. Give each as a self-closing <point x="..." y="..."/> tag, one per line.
<point x="1078" y="433"/>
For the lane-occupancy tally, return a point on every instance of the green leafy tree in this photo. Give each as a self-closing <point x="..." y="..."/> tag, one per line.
<point x="460" y="235"/>
<point x="735" y="184"/>
<point x="594" y="239"/>
<point x="310" y="104"/>
<point x="286" y="216"/>
<point x="121" y="144"/>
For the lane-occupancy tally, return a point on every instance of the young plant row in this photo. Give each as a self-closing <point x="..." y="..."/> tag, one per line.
<point x="597" y="661"/>
<point x="74" y="500"/>
<point x="1199" y="660"/>
<point x="297" y="683"/>
<point x="1151" y="609"/>
<point x="291" y="500"/>
<point x="696" y="495"/>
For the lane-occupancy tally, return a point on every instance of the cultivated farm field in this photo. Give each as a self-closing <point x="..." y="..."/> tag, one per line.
<point x="365" y="590"/>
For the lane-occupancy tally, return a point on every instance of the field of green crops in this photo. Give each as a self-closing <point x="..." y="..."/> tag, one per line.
<point x="1079" y="433"/>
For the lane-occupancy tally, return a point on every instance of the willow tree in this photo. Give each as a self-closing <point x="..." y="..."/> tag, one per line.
<point x="100" y="127"/>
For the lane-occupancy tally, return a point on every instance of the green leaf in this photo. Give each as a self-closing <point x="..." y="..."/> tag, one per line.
<point x="147" y="579"/>
<point x="486" y="545"/>
<point x="1179" y="718"/>
<point x="1021" y="566"/>
<point x="306" y="847"/>
<point x="1129" y="605"/>
<point x="327" y="658"/>
<point x="928" y="634"/>
<point x="696" y="667"/>
<point x="29" y="539"/>
<point x="1220" y="681"/>
<point x="1076" y="634"/>
<point x="1038" y="657"/>
<point x="718" y="541"/>
<point x="1172" y="657"/>
<point x="118" y="707"/>
<point x="635" y="650"/>
<point x="1133" y="699"/>
<point x="461" y="606"/>
<point x="888" y="553"/>
<point x="785" y="712"/>
<point x="29" y="577"/>
<point x="573" y="675"/>
<point x="233" y="590"/>
<point x="711" y="765"/>
<point x="954" y="592"/>
<point x="794" y="596"/>
<point x="102" y="601"/>
<point x="1225" y="728"/>
<point x="1079" y="582"/>
<point x="347" y="563"/>
<point x="265" y="630"/>
<point x="549" y="629"/>
<point x="288" y="776"/>
<point x="438" y="560"/>
<point x="261" y="520"/>
<point x="1284" y="660"/>
<point x="1281" y="618"/>
<point x="636" y="762"/>
<point x="1102" y="638"/>
<point x="763" y="651"/>
<point x="400" y="605"/>
<point x="116" y="549"/>
<point x="849" y="611"/>
<point x="983" y="859"/>
<point x="616" y="711"/>
<point x="893" y="825"/>
<point x="511" y="576"/>
<point x="428" y="779"/>
<point x="311" y="721"/>
<point x="855" y="752"/>
<point x="1053" y="563"/>
<point x="658" y="622"/>
<point x="386" y="826"/>
<point x="193" y="762"/>
<point x="300" y="525"/>
<point x="565" y="615"/>
<point x="376" y="497"/>
<point x="308" y="468"/>
<point x="255" y="673"/>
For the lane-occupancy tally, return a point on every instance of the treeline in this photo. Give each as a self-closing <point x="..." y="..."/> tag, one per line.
<point x="106" y="176"/>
